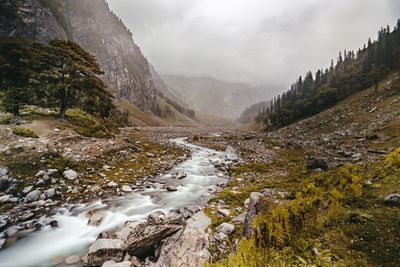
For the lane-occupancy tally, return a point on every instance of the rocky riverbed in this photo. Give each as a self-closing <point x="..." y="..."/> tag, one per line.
<point x="146" y="226"/>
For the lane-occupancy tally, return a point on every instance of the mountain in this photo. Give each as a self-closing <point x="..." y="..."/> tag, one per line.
<point x="212" y="96"/>
<point x="92" y="25"/>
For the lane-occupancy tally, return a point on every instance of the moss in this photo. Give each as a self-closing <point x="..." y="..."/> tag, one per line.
<point x="85" y="124"/>
<point x="24" y="132"/>
<point x="253" y="167"/>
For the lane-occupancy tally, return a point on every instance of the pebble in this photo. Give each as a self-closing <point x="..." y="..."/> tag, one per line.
<point x="126" y="188"/>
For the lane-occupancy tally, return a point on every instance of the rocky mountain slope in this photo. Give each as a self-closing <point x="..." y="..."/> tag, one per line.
<point x="93" y="26"/>
<point x="212" y="96"/>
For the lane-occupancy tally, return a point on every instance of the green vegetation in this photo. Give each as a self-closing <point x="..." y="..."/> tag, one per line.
<point x="353" y="72"/>
<point x="24" y="132"/>
<point x="333" y="218"/>
<point x="85" y="124"/>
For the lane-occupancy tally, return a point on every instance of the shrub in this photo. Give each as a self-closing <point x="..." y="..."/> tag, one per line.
<point x="24" y="132"/>
<point x="85" y="124"/>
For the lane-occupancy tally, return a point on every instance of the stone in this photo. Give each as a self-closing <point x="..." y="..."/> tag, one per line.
<point x="112" y="184"/>
<point x="226" y="228"/>
<point x="144" y="237"/>
<point x="95" y="189"/>
<point x="136" y="262"/>
<point x="50" y="193"/>
<point x="57" y="260"/>
<point x="103" y="250"/>
<point x="95" y="219"/>
<point x="251" y="213"/>
<point x="70" y="175"/>
<point x="27" y="189"/>
<point x="392" y="199"/>
<point x="123" y="264"/>
<point x="188" y="247"/>
<point x="109" y="263"/>
<point x="126" y="188"/>
<point x="27" y="216"/>
<point x="3" y="223"/>
<point x="220" y="237"/>
<point x="224" y="212"/>
<point x="314" y="163"/>
<point x="180" y="175"/>
<point x="5" y="198"/>
<point x="239" y="219"/>
<point x="3" y="171"/>
<point x="172" y="188"/>
<point x="199" y="220"/>
<point x="33" y="196"/>
<point x="156" y="217"/>
<point x="150" y="155"/>
<point x="73" y="259"/>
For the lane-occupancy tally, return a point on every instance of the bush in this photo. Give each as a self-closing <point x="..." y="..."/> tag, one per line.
<point x="24" y="132"/>
<point x="85" y="124"/>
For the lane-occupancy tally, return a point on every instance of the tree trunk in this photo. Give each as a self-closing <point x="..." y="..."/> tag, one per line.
<point x="63" y="103"/>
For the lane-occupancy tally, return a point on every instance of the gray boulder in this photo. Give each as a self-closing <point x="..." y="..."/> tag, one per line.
<point x="103" y="250"/>
<point x="50" y="193"/>
<point x="392" y="199"/>
<point x="188" y="247"/>
<point x="226" y="228"/>
<point x="33" y="196"/>
<point x="70" y="175"/>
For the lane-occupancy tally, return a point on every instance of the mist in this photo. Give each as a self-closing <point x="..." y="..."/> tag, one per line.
<point x="251" y="41"/>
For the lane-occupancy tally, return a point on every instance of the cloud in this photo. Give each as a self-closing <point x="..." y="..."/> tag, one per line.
<point x="253" y="41"/>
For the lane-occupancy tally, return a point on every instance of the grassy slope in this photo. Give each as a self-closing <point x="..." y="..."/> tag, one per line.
<point x="360" y="230"/>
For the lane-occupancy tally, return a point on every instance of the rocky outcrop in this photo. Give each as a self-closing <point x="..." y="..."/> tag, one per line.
<point x="252" y="212"/>
<point x="188" y="247"/>
<point x="91" y="24"/>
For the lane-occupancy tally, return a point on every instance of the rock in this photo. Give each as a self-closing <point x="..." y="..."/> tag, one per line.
<point x="27" y="189"/>
<point x="239" y="219"/>
<point x="70" y="175"/>
<point x="112" y="184"/>
<point x="172" y="188"/>
<point x="126" y="188"/>
<point x="50" y="193"/>
<point x="57" y="260"/>
<point x="392" y="199"/>
<point x="33" y="196"/>
<point x="109" y="263"/>
<point x="53" y="223"/>
<point x="3" y="223"/>
<point x="252" y="212"/>
<point x="180" y="175"/>
<point x="73" y="259"/>
<point x="188" y="247"/>
<point x="95" y="189"/>
<point x="199" y="220"/>
<point x="226" y="228"/>
<point x="5" y="199"/>
<point x="156" y="217"/>
<point x="95" y="219"/>
<point x="136" y="262"/>
<point x="144" y="237"/>
<point x="150" y="155"/>
<point x="224" y="212"/>
<point x="123" y="264"/>
<point x="220" y="237"/>
<point x="3" y="171"/>
<point x="314" y="163"/>
<point x="103" y="250"/>
<point x="27" y="216"/>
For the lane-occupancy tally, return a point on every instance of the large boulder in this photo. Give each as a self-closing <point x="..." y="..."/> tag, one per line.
<point x="33" y="196"/>
<point x="144" y="237"/>
<point x="103" y="250"/>
<point x="70" y="175"/>
<point x="252" y="212"/>
<point x="188" y="247"/>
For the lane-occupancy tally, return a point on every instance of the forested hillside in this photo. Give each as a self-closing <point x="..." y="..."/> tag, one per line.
<point x="353" y="71"/>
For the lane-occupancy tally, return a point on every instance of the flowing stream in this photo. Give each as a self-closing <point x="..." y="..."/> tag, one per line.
<point x="73" y="234"/>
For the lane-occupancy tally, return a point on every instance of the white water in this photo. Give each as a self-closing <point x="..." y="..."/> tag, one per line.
<point x="74" y="236"/>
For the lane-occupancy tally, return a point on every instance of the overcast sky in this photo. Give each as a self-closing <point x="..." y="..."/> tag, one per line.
<point x="253" y="41"/>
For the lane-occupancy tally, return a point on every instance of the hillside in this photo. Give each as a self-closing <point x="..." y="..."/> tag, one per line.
<point x="92" y="25"/>
<point x="215" y="97"/>
<point x="353" y="72"/>
<point x="321" y="191"/>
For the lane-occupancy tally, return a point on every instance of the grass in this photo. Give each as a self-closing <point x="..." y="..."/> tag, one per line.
<point x="24" y="132"/>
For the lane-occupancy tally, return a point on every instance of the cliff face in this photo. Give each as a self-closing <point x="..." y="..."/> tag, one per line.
<point x="91" y="24"/>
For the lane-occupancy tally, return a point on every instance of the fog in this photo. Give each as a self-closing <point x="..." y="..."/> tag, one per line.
<point x="251" y="41"/>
